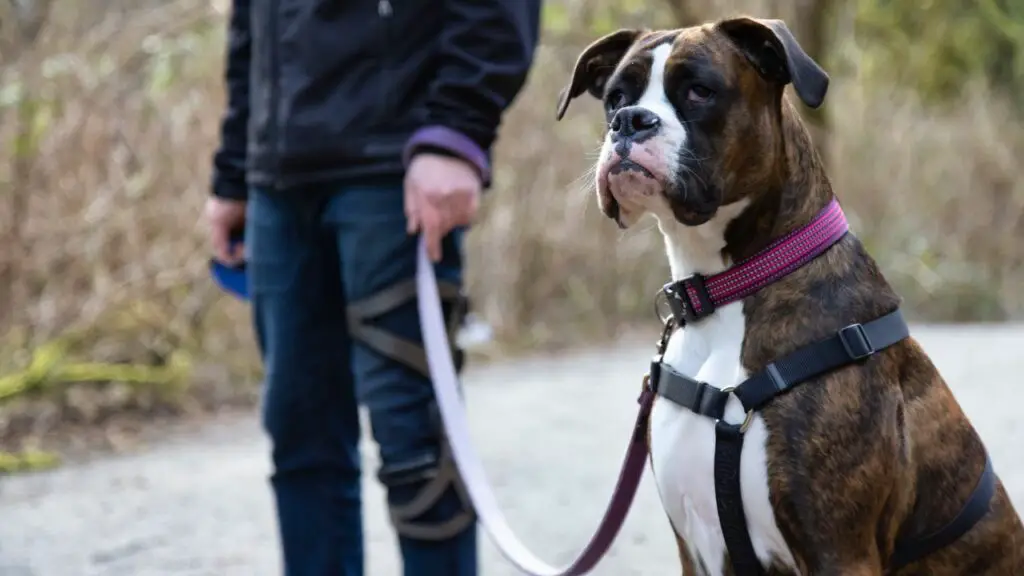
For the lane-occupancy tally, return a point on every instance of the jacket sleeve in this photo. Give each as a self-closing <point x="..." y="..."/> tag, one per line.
<point x="486" y="51"/>
<point x="229" y="159"/>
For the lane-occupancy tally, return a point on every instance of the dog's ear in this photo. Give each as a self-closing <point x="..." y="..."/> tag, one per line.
<point x="772" y="49"/>
<point x="595" y="65"/>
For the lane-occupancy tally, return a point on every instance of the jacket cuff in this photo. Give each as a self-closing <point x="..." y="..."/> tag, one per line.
<point x="451" y="141"/>
<point x="230" y="189"/>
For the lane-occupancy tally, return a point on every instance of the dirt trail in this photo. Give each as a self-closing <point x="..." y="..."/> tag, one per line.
<point x="551" y="431"/>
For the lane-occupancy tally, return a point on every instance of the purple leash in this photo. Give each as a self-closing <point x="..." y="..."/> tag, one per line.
<point x="445" y="382"/>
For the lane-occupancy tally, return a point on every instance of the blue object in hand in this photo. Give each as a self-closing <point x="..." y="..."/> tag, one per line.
<point x="231" y="279"/>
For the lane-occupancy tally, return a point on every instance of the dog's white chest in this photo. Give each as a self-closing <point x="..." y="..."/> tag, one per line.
<point x="683" y="446"/>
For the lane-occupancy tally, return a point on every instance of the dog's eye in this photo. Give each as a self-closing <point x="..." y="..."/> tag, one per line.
<point x="616" y="99"/>
<point x="699" y="94"/>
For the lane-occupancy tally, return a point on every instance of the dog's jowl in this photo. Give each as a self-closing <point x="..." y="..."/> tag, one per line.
<point x="868" y="467"/>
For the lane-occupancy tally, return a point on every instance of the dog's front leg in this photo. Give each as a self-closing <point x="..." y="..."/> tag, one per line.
<point x="836" y="473"/>
<point x="689" y="566"/>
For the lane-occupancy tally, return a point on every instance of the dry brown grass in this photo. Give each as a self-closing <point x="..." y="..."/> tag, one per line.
<point x="106" y="134"/>
<point x="108" y="121"/>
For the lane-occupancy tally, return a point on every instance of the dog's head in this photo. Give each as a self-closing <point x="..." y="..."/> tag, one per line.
<point x="694" y="115"/>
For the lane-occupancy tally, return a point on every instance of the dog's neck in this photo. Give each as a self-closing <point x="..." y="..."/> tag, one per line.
<point x="741" y="229"/>
<point x="699" y="249"/>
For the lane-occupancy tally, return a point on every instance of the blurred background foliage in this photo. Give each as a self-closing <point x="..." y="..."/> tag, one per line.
<point x="935" y="46"/>
<point x="109" y="111"/>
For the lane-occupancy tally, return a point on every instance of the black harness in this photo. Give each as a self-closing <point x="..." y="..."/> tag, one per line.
<point x="853" y="344"/>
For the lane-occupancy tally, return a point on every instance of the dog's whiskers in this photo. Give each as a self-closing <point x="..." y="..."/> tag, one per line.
<point x="582" y="184"/>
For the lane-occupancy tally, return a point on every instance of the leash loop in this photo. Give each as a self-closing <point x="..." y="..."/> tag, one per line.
<point x="445" y="382"/>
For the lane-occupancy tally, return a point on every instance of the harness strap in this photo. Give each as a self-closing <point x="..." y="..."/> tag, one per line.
<point x="914" y="549"/>
<point x="696" y="396"/>
<point x="851" y="344"/>
<point x="854" y="343"/>
<point x="729" y="499"/>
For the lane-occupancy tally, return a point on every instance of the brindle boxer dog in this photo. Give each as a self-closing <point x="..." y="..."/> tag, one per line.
<point x="835" y="471"/>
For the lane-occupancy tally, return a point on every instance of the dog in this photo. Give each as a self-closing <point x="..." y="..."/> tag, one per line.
<point x="834" y="473"/>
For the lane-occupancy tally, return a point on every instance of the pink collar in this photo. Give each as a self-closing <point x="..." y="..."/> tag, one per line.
<point x="703" y="294"/>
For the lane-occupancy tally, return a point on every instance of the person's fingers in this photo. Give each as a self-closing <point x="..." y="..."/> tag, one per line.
<point x="432" y="232"/>
<point x="219" y="236"/>
<point x="238" y="253"/>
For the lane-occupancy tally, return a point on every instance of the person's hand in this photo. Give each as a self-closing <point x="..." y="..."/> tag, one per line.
<point x="441" y="193"/>
<point x="224" y="217"/>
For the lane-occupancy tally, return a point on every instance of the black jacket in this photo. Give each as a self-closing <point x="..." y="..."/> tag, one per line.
<point x="350" y="89"/>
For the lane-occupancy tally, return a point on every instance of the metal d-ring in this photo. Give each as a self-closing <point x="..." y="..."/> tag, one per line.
<point x="748" y="419"/>
<point x="661" y="303"/>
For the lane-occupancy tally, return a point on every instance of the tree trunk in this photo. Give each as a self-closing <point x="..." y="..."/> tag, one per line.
<point x="813" y="19"/>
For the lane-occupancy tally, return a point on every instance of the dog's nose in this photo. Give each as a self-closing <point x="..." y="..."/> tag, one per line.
<point x="634" y="122"/>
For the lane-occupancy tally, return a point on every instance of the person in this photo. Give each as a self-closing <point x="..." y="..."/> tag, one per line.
<point x="351" y="128"/>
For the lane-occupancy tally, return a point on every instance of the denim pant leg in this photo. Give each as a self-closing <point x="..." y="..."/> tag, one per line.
<point x="309" y="407"/>
<point x="376" y="253"/>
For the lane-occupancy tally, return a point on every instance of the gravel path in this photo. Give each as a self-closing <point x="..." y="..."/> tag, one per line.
<point x="199" y="504"/>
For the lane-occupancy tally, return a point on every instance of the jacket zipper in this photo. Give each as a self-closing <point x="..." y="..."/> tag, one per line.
<point x="275" y="79"/>
<point x="386" y="12"/>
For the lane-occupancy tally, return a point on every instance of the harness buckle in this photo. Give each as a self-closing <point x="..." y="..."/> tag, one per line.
<point x="856" y="342"/>
<point x="678" y="296"/>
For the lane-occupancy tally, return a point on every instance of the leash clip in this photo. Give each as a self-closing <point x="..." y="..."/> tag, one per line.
<point x="666" y="332"/>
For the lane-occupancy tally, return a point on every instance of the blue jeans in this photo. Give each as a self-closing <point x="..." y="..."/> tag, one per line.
<point x="310" y="253"/>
